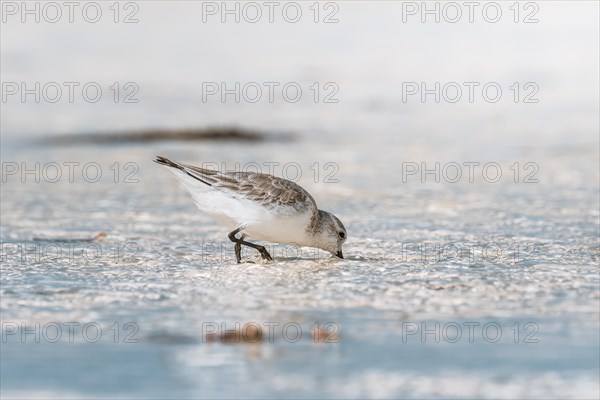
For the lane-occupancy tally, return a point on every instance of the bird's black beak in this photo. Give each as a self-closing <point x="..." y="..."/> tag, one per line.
<point x="339" y="254"/>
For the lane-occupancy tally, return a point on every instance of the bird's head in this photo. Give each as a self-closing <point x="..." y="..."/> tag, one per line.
<point x="330" y="234"/>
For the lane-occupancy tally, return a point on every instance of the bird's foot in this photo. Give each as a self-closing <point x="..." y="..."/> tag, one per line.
<point x="265" y="254"/>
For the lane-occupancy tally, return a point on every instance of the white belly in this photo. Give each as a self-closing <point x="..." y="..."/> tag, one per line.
<point x="287" y="230"/>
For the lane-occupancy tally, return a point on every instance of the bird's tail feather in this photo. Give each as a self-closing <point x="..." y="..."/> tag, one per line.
<point x="193" y="172"/>
<point x="165" y="161"/>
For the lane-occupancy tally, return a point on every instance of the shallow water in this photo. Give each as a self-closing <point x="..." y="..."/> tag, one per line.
<point x="460" y="290"/>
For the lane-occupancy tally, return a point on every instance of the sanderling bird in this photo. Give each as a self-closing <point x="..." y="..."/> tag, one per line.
<point x="261" y="206"/>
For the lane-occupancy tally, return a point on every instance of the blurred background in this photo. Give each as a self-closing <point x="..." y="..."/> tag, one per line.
<point x="369" y="105"/>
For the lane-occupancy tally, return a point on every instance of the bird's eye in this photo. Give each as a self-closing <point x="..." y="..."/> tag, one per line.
<point x="342" y="235"/>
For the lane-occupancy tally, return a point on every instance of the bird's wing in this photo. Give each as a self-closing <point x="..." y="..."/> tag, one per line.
<point x="277" y="194"/>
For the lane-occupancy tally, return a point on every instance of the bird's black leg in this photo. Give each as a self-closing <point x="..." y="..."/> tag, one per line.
<point x="238" y="252"/>
<point x="261" y="249"/>
<point x="238" y="247"/>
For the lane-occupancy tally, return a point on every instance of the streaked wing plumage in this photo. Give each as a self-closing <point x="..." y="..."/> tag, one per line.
<point x="269" y="191"/>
